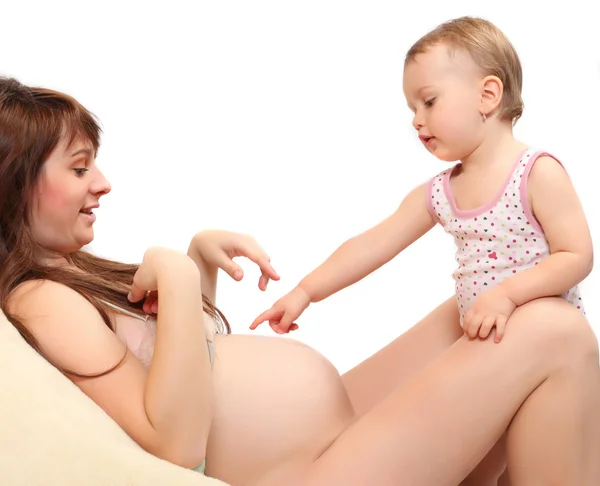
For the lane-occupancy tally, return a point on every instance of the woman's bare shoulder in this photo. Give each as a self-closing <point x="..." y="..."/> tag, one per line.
<point x="68" y="328"/>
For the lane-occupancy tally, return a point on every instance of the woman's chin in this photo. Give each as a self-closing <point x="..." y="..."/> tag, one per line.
<point x="85" y="239"/>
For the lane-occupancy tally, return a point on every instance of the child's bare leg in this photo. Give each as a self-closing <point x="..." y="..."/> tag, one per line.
<point x="431" y="431"/>
<point x="375" y="378"/>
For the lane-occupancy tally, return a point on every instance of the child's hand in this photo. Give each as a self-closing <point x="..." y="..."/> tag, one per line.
<point x="285" y="311"/>
<point x="491" y="309"/>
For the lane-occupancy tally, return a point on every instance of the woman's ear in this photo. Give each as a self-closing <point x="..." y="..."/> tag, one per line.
<point x="491" y="94"/>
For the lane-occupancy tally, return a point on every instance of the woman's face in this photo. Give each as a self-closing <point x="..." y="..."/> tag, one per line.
<point x="69" y="188"/>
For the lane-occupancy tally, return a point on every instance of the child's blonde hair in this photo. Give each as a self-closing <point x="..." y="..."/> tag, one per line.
<point x="490" y="49"/>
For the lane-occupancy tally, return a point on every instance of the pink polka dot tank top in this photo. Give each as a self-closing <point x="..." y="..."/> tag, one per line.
<point x="494" y="241"/>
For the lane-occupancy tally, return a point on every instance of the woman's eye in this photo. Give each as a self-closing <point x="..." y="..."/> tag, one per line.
<point x="80" y="172"/>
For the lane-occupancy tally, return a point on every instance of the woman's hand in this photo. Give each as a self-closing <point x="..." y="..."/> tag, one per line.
<point x="218" y="248"/>
<point x="145" y="281"/>
<point x="210" y="250"/>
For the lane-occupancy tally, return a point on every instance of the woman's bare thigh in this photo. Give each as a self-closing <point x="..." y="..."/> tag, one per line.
<point x="431" y="430"/>
<point x="372" y="380"/>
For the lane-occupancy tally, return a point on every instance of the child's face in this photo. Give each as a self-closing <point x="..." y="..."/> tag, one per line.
<point x="444" y="93"/>
<point x="69" y="185"/>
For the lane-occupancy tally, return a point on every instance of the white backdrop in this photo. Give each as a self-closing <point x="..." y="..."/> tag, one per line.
<point x="287" y="120"/>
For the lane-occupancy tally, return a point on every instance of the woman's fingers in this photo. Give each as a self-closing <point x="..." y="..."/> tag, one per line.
<point x="226" y="263"/>
<point x="255" y="253"/>
<point x="263" y="281"/>
<point x="267" y="270"/>
<point x="136" y="293"/>
<point x="151" y="303"/>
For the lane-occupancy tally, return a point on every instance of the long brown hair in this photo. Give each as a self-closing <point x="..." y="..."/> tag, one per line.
<point x="32" y="123"/>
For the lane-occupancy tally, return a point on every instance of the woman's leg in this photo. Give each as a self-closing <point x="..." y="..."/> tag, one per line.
<point x="504" y="479"/>
<point x="375" y="378"/>
<point x="565" y="432"/>
<point x="372" y="380"/>
<point x="433" y="429"/>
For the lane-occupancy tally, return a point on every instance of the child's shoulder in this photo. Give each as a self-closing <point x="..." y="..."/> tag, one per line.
<point x="539" y="162"/>
<point x="546" y="169"/>
<point x="532" y="155"/>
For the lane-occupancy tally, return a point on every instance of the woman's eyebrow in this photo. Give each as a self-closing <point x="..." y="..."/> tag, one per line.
<point x="86" y="151"/>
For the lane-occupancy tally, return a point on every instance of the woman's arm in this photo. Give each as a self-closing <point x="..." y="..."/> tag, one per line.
<point x="178" y="393"/>
<point x="166" y="409"/>
<point x="209" y="272"/>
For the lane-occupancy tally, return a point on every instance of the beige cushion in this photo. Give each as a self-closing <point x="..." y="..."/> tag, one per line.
<point x="51" y="433"/>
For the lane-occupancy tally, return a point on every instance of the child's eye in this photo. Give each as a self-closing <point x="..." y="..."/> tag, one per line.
<point x="429" y="103"/>
<point x="80" y="172"/>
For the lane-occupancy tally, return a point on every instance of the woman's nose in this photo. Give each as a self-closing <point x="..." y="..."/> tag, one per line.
<point x="100" y="186"/>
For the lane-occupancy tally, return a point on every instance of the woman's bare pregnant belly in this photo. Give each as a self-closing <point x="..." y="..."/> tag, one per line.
<point x="278" y="405"/>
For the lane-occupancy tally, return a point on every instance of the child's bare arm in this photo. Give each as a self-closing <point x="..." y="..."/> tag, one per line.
<point x="361" y="255"/>
<point x="353" y="260"/>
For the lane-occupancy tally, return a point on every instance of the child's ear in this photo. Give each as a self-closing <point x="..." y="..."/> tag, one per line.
<point x="491" y="94"/>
